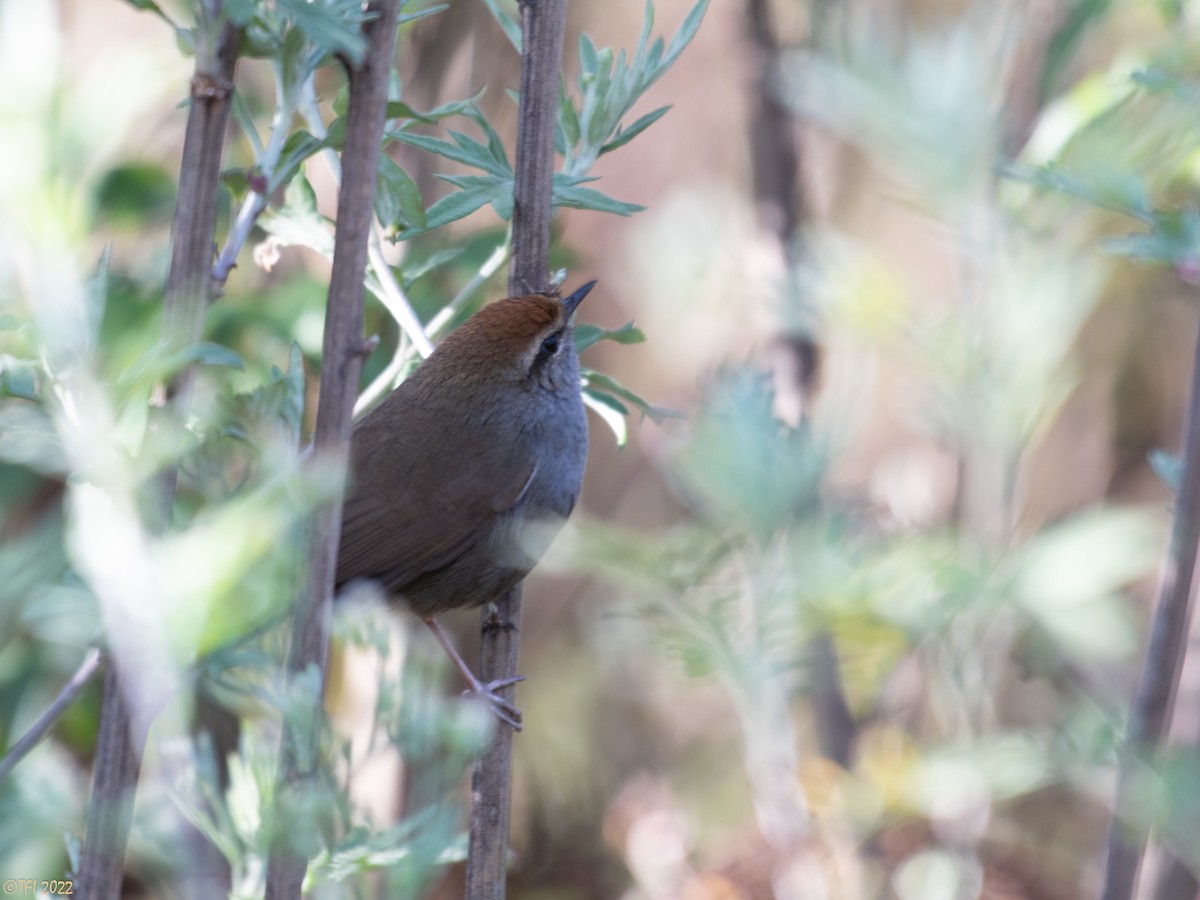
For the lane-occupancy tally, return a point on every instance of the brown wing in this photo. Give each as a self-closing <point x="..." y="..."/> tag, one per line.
<point x="418" y="510"/>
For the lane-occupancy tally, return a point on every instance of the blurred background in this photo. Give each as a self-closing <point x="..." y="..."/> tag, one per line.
<point x="862" y="620"/>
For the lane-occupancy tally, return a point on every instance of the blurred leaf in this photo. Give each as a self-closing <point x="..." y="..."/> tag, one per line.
<point x="237" y="182"/>
<point x="611" y="411"/>
<point x="606" y="384"/>
<point x="413" y="270"/>
<point x="1111" y="189"/>
<point x="743" y="466"/>
<point x="332" y="25"/>
<point x="585" y="198"/>
<point x="464" y="149"/>
<point x="298" y="222"/>
<point x="624" y="135"/>
<point x="64" y="614"/>
<point x="567" y="133"/>
<point x="398" y="203"/>
<point x="135" y="195"/>
<point x="300" y="146"/>
<point x="272" y="409"/>
<point x="586" y="335"/>
<point x="415" y="16"/>
<point x="1067" y="578"/>
<point x="18" y="378"/>
<point x="1174" y="240"/>
<point x="511" y="27"/>
<point x="1081" y="15"/>
<point x="458" y="205"/>
<point x="161" y="363"/>
<point x="28" y="438"/>
<point x="240" y="12"/>
<point x="1172" y="11"/>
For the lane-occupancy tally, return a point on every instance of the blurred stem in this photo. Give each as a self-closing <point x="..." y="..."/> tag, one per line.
<point x="122" y="735"/>
<point x="543" y="25"/>
<point x="342" y="351"/>
<point x="778" y="192"/>
<point x="85" y="673"/>
<point x="1159" y="678"/>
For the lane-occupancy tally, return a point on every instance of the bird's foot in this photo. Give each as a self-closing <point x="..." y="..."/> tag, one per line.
<point x="504" y="710"/>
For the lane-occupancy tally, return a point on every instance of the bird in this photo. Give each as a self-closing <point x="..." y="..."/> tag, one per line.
<point x="462" y="475"/>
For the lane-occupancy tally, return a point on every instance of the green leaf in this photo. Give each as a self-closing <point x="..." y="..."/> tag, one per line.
<point x="333" y="27"/>
<point x="586" y="335"/>
<point x="469" y="152"/>
<point x="512" y="28"/>
<point x="1078" y="18"/>
<point x="413" y="270"/>
<point x="409" y="18"/>
<point x="398" y="109"/>
<point x="611" y="411"/>
<point x="398" y="202"/>
<point x="17" y="378"/>
<point x="586" y="198"/>
<point x="1067" y="578"/>
<point x="494" y="144"/>
<point x="568" y="122"/>
<point x="245" y="120"/>
<point x="160" y="363"/>
<point x="237" y="182"/>
<point x="683" y="37"/>
<point x="135" y="195"/>
<point x="240" y="12"/>
<point x="299" y="222"/>
<point x="151" y="6"/>
<point x="28" y="438"/>
<point x="608" y="384"/>
<point x="625" y="135"/>
<point x="451" y="208"/>
<point x="588" y="60"/>
<point x="298" y="147"/>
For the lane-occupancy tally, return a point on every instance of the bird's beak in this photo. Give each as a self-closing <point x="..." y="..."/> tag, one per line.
<point x="576" y="298"/>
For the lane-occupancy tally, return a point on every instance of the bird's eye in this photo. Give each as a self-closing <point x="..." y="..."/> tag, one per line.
<point x="550" y="344"/>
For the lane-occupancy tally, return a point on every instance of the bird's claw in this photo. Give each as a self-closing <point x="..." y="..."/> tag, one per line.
<point x="504" y="710"/>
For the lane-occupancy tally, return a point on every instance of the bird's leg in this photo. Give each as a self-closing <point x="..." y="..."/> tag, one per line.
<point x="504" y="710"/>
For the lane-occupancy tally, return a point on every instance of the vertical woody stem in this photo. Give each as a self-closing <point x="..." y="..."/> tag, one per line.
<point x="543" y="24"/>
<point x="342" y="355"/>
<point x="122" y="734"/>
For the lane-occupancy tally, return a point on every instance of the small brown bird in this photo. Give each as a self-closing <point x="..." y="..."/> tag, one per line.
<point x="462" y="476"/>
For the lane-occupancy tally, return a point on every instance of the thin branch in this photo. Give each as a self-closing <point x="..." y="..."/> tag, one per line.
<point x="1159" y="678"/>
<point x="543" y="26"/>
<point x="86" y="671"/>
<point x="122" y="735"/>
<point x="339" y="385"/>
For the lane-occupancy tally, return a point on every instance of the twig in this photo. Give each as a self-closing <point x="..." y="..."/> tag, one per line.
<point x="122" y="737"/>
<point x="86" y="671"/>
<point x="339" y="385"/>
<point x="543" y="25"/>
<point x="1159" y="678"/>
